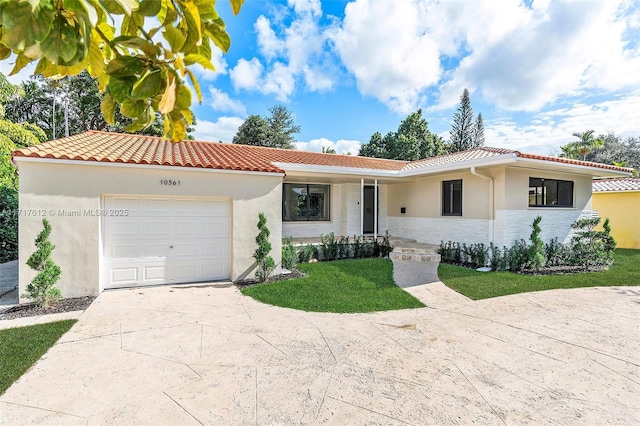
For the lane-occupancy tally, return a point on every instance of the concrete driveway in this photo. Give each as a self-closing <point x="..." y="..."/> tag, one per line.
<point x="207" y="355"/>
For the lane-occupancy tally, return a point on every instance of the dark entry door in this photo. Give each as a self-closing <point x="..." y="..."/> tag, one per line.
<point x="369" y="207"/>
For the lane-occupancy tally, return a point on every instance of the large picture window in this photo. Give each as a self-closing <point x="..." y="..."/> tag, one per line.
<point x="305" y="202"/>
<point x="452" y="197"/>
<point x="550" y="193"/>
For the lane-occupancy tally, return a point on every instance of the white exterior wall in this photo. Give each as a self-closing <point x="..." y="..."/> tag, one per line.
<point x="434" y="230"/>
<point x="49" y="188"/>
<point x="345" y="214"/>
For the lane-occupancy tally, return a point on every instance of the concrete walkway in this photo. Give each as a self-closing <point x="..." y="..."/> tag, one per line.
<point x="207" y="355"/>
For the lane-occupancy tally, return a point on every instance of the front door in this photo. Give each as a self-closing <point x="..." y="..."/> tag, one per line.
<point x="369" y="208"/>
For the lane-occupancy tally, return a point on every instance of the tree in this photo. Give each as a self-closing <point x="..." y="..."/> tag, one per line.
<point x="463" y="129"/>
<point x="583" y="146"/>
<point x="265" y="263"/>
<point x="412" y="141"/>
<point x="478" y="132"/>
<point x="328" y="150"/>
<point x="140" y="66"/>
<point x="42" y="288"/>
<point x="274" y="131"/>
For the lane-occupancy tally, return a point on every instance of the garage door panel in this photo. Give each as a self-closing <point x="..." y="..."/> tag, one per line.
<point x="168" y="240"/>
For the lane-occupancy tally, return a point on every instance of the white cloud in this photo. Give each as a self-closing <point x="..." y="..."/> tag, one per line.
<point x="220" y="101"/>
<point x="23" y="75"/>
<point x="224" y="129"/>
<point x="547" y="131"/>
<point x="293" y="50"/>
<point x="387" y="48"/>
<point x="219" y="63"/>
<point x="247" y="74"/>
<point x="341" y="146"/>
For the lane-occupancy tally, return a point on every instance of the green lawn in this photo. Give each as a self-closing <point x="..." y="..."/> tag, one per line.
<point x="21" y="347"/>
<point x="481" y="285"/>
<point x="357" y="285"/>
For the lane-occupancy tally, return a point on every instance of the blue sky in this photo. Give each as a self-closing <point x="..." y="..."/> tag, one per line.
<point x="537" y="70"/>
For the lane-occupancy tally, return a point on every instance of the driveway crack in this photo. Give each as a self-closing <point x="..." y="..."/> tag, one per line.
<point x="184" y="409"/>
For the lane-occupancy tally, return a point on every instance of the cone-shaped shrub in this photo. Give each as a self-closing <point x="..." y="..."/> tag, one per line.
<point x="42" y="289"/>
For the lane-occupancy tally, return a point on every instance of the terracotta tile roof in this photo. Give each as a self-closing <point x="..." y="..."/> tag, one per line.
<point x="136" y="149"/>
<point x="456" y="157"/>
<point x="616" y="185"/>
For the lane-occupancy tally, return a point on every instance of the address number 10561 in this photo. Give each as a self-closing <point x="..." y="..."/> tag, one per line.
<point x="169" y="182"/>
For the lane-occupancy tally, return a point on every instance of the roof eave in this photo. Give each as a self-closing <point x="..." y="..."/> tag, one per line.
<point x="583" y="168"/>
<point x="495" y="160"/>
<point x="334" y="170"/>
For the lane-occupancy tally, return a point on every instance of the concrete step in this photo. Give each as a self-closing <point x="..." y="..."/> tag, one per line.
<point x="415" y="257"/>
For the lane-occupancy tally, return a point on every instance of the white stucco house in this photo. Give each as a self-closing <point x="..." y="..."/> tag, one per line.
<point x="130" y="210"/>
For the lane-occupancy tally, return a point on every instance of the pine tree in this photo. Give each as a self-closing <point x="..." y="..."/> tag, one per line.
<point x="478" y="132"/>
<point x="462" y="131"/>
<point x="41" y="290"/>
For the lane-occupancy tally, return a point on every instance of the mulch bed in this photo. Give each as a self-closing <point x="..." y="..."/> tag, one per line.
<point x="295" y="273"/>
<point x="64" y="305"/>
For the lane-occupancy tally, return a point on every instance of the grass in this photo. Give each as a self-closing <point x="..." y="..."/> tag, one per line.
<point x="357" y="285"/>
<point x="21" y="347"/>
<point x="625" y="271"/>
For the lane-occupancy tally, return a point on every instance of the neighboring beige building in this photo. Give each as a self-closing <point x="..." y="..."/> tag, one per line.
<point x="131" y="210"/>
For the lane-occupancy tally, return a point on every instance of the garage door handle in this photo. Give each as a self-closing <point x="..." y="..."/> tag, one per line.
<point x="170" y="246"/>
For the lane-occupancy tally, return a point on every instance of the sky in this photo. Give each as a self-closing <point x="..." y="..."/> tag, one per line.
<point x="537" y="70"/>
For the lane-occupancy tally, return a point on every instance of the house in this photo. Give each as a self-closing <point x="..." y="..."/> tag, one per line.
<point x="619" y="200"/>
<point x="129" y="210"/>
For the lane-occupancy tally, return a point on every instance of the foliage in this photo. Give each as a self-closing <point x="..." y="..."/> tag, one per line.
<point x="76" y="101"/>
<point x="361" y="285"/>
<point x="42" y="288"/>
<point x="274" y="131"/>
<point x="265" y="263"/>
<point x="626" y="153"/>
<point x="8" y="224"/>
<point x="306" y="253"/>
<point x="23" y="346"/>
<point x="344" y="248"/>
<point x="289" y="254"/>
<point x="328" y="150"/>
<point x="385" y="245"/>
<point x="536" y="250"/>
<point x="412" y="141"/>
<point x="625" y="271"/>
<point x="585" y="144"/>
<point x="592" y="248"/>
<point x="141" y="65"/>
<point x="464" y="133"/>
<point x="328" y="246"/>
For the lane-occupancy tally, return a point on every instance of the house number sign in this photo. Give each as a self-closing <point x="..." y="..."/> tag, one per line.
<point x="169" y="182"/>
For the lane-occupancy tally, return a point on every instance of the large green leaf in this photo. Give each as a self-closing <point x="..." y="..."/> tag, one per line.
<point x="192" y="23"/>
<point x="24" y="25"/>
<point x="61" y="44"/>
<point x="124" y="66"/>
<point x="135" y="42"/>
<point x="120" y="88"/>
<point x="219" y="36"/>
<point x="132" y="108"/>
<point x="198" y="59"/>
<point x="236" y="5"/>
<point x="174" y="36"/>
<point x="150" y="7"/>
<point x="108" y="108"/>
<point x="148" y="86"/>
<point x="145" y="119"/>
<point x="131" y="25"/>
<point x="183" y="97"/>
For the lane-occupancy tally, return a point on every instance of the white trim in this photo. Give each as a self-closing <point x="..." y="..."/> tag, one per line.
<point x="619" y="191"/>
<point x="600" y="171"/>
<point x="314" y="168"/>
<point x="143" y="166"/>
<point x="361" y="206"/>
<point x="487" y="161"/>
<point x="375" y="209"/>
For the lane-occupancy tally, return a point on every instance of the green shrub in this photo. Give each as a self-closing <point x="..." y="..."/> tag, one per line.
<point x="42" y="289"/>
<point x="385" y="246"/>
<point x="306" y="253"/>
<point x="358" y="247"/>
<point x="328" y="246"/>
<point x="289" y="254"/>
<point x="519" y="256"/>
<point x="495" y="257"/>
<point x="592" y="248"/>
<point x="8" y="224"/>
<point x="343" y="248"/>
<point x="536" y="250"/>
<point x="265" y="263"/>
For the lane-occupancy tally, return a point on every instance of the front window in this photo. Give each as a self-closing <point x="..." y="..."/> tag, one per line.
<point x="305" y="202"/>
<point x="452" y="197"/>
<point x="550" y="193"/>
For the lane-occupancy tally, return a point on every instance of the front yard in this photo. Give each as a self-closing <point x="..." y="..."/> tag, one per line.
<point x="625" y="271"/>
<point x="357" y="285"/>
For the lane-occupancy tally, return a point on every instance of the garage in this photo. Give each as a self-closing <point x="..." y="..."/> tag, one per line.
<point x="152" y="240"/>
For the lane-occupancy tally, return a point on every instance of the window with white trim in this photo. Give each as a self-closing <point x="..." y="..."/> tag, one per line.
<point x="550" y="192"/>
<point x="452" y="197"/>
<point x="305" y="202"/>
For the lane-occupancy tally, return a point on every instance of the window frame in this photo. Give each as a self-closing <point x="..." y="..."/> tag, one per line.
<point x="543" y="194"/>
<point x="308" y="218"/>
<point x="448" y="185"/>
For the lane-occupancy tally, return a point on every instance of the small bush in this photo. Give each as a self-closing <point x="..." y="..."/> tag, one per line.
<point x="343" y="248"/>
<point x="42" y="289"/>
<point x="519" y="256"/>
<point x="328" y="246"/>
<point x="358" y="247"/>
<point x="306" y="253"/>
<point x="289" y="254"/>
<point x="495" y="257"/>
<point x="536" y="250"/>
<point x="385" y="245"/>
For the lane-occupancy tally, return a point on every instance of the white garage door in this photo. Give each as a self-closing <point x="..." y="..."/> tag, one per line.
<point x="161" y="240"/>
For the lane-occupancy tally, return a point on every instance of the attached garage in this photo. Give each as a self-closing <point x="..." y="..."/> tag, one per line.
<point x="161" y="240"/>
